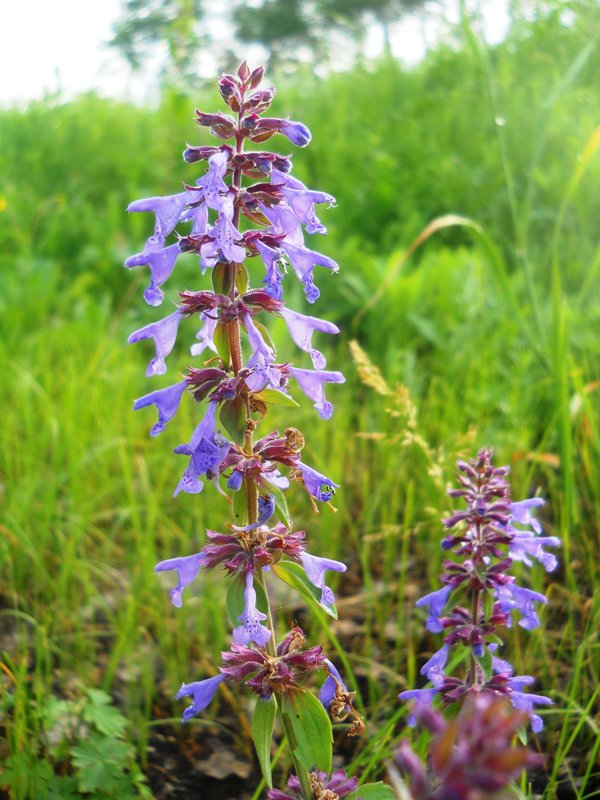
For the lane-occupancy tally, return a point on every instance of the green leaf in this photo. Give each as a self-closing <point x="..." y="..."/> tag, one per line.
<point x="310" y="729"/>
<point x="294" y="575"/>
<point x="100" y="763"/>
<point x="274" y="397"/>
<point x="375" y="791"/>
<point x="235" y="601"/>
<point x="103" y="715"/>
<point x="265" y="334"/>
<point x="233" y="417"/>
<point x="221" y="340"/>
<point x="281" y="505"/>
<point x="262" y="735"/>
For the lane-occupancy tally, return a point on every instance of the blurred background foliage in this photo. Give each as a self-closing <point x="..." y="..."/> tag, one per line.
<point x="484" y="330"/>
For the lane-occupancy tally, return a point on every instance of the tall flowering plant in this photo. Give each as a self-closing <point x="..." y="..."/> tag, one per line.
<point x="246" y="214"/>
<point x="478" y="598"/>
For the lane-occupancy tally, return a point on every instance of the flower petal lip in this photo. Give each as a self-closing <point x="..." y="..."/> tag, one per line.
<point x="166" y="401"/>
<point x="187" y="568"/>
<point x="202" y="694"/>
<point x="164" y="334"/>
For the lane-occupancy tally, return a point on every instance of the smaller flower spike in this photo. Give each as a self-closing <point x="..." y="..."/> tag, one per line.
<point x="252" y="630"/>
<point x="202" y="694"/>
<point x="187" y="569"/>
<point x="315" y="569"/>
<point x="164" y="333"/>
<point x="166" y="401"/>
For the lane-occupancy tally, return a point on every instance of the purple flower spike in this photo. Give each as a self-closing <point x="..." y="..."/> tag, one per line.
<point x="252" y="630"/>
<point x="161" y="262"/>
<point x="435" y="602"/>
<point x="187" y="571"/>
<point x="205" y="335"/>
<point x="166" y="401"/>
<point x="315" y="569"/>
<point x="164" y="333"/>
<point x="319" y="486"/>
<point x="206" y="450"/>
<point x="202" y="694"/>
<point x="312" y="384"/>
<point x="302" y="327"/>
<point x="330" y="684"/>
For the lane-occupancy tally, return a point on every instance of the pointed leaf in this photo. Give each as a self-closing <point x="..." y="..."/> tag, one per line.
<point x="241" y="278"/>
<point x="262" y="735"/>
<point x="375" y="791"/>
<point x="233" y="417"/>
<point x="295" y="576"/>
<point x="281" y="505"/>
<point x="221" y="278"/>
<point x="235" y="601"/>
<point x="240" y="506"/>
<point x="311" y="729"/>
<point x="274" y="397"/>
<point x="221" y="340"/>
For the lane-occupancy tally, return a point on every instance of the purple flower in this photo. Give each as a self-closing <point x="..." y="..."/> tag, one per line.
<point x="271" y="259"/>
<point x="510" y="596"/>
<point x="164" y="333"/>
<point x="524" y="701"/>
<point x="167" y="210"/>
<point x="303" y="262"/>
<point x="214" y="187"/>
<point x="339" y="785"/>
<point x="330" y="684"/>
<point x="302" y="200"/>
<point x="312" y="384"/>
<point x="206" y="450"/>
<point x="224" y="235"/>
<point x="319" y="486"/>
<point x="435" y="602"/>
<point x="252" y="630"/>
<point x="161" y="262"/>
<point x="302" y="327"/>
<point x="499" y="665"/>
<point x="315" y="568"/>
<point x="187" y="569"/>
<point x="166" y="401"/>
<point x="420" y="696"/>
<point x="434" y="668"/>
<point x="202" y="694"/>
<point x="205" y="335"/>
<point x="284" y="221"/>
<point x="521" y="513"/>
<point x="296" y="132"/>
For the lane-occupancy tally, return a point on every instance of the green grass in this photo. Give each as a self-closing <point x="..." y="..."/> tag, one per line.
<point x="491" y="325"/>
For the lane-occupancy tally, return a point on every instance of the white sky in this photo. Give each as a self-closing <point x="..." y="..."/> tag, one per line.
<point x="50" y="45"/>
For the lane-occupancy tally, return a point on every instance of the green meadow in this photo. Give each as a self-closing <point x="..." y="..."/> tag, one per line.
<point x="467" y="232"/>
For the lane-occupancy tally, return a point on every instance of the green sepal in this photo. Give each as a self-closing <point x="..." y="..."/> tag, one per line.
<point x="262" y="735"/>
<point x="375" y="791"/>
<point x="310" y="729"/>
<point x="241" y="278"/>
<point x="221" y="340"/>
<point x="221" y="278"/>
<point x="233" y="417"/>
<point x="274" y="397"/>
<point x="293" y="574"/>
<point x="235" y="601"/>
